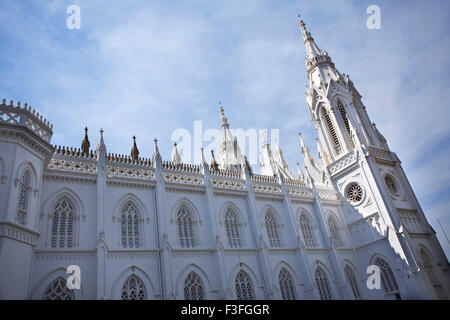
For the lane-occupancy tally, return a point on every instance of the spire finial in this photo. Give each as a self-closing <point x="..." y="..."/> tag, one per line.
<point x="176" y="156"/>
<point x="101" y="132"/>
<point x="134" y="150"/>
<point x="214" y="164"/>
<point x="85" y="144"/>
<point x="224" y="119"/>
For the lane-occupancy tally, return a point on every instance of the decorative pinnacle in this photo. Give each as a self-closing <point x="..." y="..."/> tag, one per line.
<point x="86" y="129"/>
<point x="101" y="132"/>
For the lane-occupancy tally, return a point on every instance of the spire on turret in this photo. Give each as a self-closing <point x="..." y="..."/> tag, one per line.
<point x="176" y="156"/>
<point x="134" y="150"/>
<point x="101" y="153"/>
<point x="305" y="149"/>
<point x="311" y="47"/>
<point x="323" y="155"/>
<point x="156" y="154"/>
<point x="230" y="153"/>
<point x="224" y="119"/>
<point x="315" y="55"/>
<point x="301" y="176"/>
<point x="85" y="144"/>
<point x="214" y="164"/>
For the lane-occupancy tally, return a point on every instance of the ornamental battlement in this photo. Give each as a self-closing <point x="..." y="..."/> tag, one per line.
<point x="27" y="117"/>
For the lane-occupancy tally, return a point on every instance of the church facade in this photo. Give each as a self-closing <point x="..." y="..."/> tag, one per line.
<point x="140" y="228"/>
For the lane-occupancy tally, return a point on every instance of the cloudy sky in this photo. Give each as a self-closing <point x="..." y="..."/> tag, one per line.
<point x="148" y="68"/>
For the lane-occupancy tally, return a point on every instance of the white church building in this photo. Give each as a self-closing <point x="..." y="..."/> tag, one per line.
<point x="152" y="229"/>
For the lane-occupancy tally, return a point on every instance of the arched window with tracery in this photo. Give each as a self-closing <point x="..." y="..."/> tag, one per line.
<point x="287" y="286"/>
<point x="130" y="225"/>
<point x="232" y="229"/>
<point x="62" y="228"/>
<point x="193" y="287"/>
<point x="332" y="132"/>
<point x="323" y="285"/>
<point x="428" y="266"/>
<point x="307" y="229"/>
<point x="272" y="230"/>
<point x="244" y="286"/>
<point x="334" y="231"/>
<point x="23" y="199"/>
<point x="351" y="278"/>
<point x="387" y="276"/>
<point x="344" y="116"/>
<point x="57" y="290"/>
<point x="185" y="225"/>
<point x="133" y="289"/>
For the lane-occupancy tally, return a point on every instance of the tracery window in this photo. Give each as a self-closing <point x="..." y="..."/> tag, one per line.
<point x="57" y="290"/>
<point x="232" y="229"/>
<point x="193" y="287"/>
<point x="133" y="289"/>
<point x="428" y="266"/>
<point x="61" y="235"/>
<point x="387" y="276"/>
<point x="244" y="286"/>
<point x="390" y="183"/>
<point x="185" y="224"/>
<point x="287" y="287"/>
<point x="129" y="225"/>
<point x="323" y="285"/>
<point x="351" y="278"/>
<point x="332" y="131"/>
<point x="307" y="231"/>
<point x="272" y="230"/>
<point x="334" y="231"/>
<point x="23" y="197"/>
<point x="354" y="193"/>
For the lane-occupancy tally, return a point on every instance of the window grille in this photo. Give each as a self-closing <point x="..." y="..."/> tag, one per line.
<point x="193" y="287"/>
<point x="287" y="287"/>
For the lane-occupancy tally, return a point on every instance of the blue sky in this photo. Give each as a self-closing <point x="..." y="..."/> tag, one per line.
<point x="150" y="67"/>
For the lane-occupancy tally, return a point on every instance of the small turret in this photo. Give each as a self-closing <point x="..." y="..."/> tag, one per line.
<point x="134" y="150"/>
<point x="85" y="144"/>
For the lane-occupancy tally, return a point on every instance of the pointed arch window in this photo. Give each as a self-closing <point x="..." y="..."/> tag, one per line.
<point x="244" y="286"/>
<point x="335" y="233"/>
<point x="387" y="276"/>
<point x="62" y="224"/>
<point x="287" y="287"/>
<point x="307" y="231"/>
<point x="193" y="287"/>
<point x="323" y="285"/>
<point x="272" y="230"/>
<point x="133" y="289"/>
<point x="351" y="278"/>
<point x="332" y="131"/>
<point x="57" y="290"/>
<point x="232" y="229"/>
<point x="428" y="266"/>
<point x="23" y="197"/>
<point x="344" y="116"/>
<point x="185" y="224"/>
<point x="130" y="225"/>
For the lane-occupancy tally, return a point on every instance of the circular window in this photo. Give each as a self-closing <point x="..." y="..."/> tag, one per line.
<point x="355" y="193"/>
<point x="390" y="183"/>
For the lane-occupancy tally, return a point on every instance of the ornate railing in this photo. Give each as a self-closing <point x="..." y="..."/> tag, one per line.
<point x="26" y="117"/>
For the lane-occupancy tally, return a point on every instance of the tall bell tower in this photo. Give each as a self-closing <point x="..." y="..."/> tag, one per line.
<point x="370" y="179"/>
